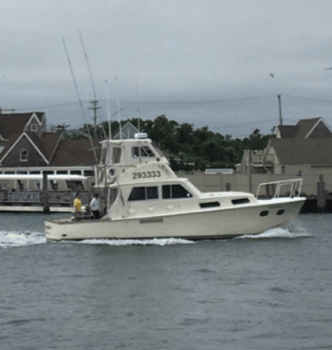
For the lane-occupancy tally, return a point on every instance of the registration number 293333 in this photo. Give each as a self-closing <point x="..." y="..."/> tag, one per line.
<point x="146" y="174"/>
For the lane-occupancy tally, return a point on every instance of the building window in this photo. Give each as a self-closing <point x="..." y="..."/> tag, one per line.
<point x="24" y="155"/>
<point x="34" y="127"/>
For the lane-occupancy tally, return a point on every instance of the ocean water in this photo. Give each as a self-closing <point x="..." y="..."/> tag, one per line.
<point x="271" y="291"/>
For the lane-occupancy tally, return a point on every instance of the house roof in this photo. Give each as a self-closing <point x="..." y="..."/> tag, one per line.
<point x="306" y="128"/>
<point x="287" y="131"/>
<point x="8" y="144"/>
<point x="14" y="123"/>
<point x="47" y="143"/>
<point x="303" y="151"/>
<point x="128" y="130"/>
<point x="76" y="152"/>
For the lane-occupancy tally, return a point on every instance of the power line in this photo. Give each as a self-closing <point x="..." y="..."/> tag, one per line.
<point x="246" y="124"/>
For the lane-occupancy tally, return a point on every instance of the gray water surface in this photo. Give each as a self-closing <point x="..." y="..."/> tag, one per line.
<point x="272" y="291"/>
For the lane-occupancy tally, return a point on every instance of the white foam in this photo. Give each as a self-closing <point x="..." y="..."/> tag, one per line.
<point x="126" y="242"/>
<point x="280" y="233"/>
<point x="20" y="239"/>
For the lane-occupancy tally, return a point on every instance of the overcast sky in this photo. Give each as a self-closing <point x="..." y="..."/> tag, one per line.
<point x="172" y="51"/>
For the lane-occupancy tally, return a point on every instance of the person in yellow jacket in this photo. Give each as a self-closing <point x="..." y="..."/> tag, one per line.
<point x="77" y="204"/>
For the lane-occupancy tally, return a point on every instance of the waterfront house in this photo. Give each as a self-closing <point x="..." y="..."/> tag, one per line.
<point x="26" y="147"/>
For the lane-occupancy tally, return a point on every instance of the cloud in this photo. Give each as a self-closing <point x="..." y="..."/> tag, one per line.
<point x="171" y="50"/>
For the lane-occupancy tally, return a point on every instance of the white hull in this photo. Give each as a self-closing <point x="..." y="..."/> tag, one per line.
<point x="203" y="224"/>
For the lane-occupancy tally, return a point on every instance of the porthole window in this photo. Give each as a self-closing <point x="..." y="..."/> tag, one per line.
<point x="280" y="212"/>
<point x="209" y="205"/>
<point x="264" y="213"/>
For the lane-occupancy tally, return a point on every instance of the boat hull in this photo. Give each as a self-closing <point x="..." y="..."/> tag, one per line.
<point x="204" y="224"/>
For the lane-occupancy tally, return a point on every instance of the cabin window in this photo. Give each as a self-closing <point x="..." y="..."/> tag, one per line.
<point x="152" y="192"/>
<point x="143" y="193"/>
<point x="143" y="151"/>
<point x="280" y="212"/>
<point x="113" y="194"/>
<point x="264" y="213"/>
<point x="209" y="205"/>
<point x="75" y="172"/>
<point x="240" y="201"/>
<point x="24" y="155"/>
<point x="116" y="155"/>
<point x="175" y="191"/>
<point x="103" y="155"/>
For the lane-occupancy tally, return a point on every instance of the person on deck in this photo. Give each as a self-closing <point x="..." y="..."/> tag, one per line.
<point x="77" y="205"/>
<point x="95" y="206"/>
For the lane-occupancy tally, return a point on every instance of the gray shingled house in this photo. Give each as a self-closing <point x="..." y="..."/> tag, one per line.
<point x="301" y="150"/>
<point x="27" y="148"/>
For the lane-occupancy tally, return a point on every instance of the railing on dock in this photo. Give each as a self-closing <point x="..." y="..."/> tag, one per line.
<point x="276" y="189"/>
<point x="56" y="198"/>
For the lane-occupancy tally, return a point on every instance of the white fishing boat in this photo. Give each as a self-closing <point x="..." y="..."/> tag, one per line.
<point x="145" y="199"/>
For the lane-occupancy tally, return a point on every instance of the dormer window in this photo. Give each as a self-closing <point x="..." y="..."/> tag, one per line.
<point x="24" y="155"/>
<point x="34" y="127"/>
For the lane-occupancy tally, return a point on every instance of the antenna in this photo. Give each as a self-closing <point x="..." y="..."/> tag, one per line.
<point x="108" y="111"/>
<point x="136" y="88"/>
<point x="118" y="105"/>
<point x="79" y="97"/>
<point x="280" y="112"/>
<point x="95" y="101"/>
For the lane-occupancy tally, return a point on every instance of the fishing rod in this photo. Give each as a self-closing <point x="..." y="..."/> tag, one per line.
<point x="79" y="99"/>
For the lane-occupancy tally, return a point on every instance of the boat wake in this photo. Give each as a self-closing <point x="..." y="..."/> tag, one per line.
<point x="21" y="239"/>
<point x="143" y="242"/>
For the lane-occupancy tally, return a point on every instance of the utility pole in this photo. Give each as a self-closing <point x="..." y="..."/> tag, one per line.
<point x="95" y="108"/>
<point x="280" y="112"/>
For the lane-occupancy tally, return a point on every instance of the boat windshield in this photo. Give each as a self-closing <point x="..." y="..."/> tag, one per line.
<point x="159" y="153"/>
<point x="143" y="151"/>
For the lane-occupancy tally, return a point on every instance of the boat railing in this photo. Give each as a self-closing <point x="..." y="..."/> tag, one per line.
<point x="276" y="189"/>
